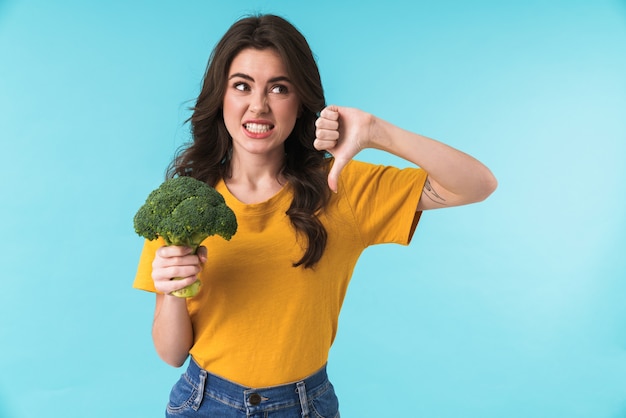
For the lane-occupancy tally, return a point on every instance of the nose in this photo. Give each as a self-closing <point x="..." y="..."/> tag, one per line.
<point x="258" y="103"/>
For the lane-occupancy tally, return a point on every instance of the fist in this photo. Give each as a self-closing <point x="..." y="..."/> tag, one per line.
<point x="176" y="262"/>
<point x="343" y="132"/>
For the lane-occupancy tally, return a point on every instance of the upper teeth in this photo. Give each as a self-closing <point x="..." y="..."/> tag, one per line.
<point x="257" y="127"/>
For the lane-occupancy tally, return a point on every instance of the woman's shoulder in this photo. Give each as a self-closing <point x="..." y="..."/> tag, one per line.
<point x="357" y="166"/>
<point x="359" y="170"/>
<point x="358" y="176"/>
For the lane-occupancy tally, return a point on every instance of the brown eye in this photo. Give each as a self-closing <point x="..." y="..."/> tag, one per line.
<point x="280" y="89"/>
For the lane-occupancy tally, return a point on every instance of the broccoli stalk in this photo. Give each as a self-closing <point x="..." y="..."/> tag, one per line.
<point x="185" y="211"/>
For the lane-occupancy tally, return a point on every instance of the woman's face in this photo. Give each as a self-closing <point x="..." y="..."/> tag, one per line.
<point x="260" y="103"/>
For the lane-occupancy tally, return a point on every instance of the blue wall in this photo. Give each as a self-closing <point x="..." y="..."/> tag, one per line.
<point x="510" y="308"/>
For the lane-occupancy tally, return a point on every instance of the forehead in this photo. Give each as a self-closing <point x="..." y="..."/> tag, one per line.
<point x="262" y="62"/>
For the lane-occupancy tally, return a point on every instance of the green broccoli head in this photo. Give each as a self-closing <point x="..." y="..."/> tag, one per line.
<point x="185" y="211"/>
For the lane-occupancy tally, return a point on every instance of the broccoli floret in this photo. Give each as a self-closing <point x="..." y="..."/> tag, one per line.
<point x="185" y="211"/>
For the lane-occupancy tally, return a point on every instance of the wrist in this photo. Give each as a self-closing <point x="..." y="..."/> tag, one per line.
<point x="378" y="134"/>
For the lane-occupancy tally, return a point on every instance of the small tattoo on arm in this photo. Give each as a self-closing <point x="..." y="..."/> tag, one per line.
<point x="430" y="193"/>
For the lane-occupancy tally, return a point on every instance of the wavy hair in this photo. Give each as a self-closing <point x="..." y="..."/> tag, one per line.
<point x="206" y="157"/>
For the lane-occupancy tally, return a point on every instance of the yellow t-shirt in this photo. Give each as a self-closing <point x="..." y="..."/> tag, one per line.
<point x="259" y="321"/>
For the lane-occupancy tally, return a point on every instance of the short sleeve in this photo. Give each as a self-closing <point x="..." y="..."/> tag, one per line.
<point x="383" y="200"/>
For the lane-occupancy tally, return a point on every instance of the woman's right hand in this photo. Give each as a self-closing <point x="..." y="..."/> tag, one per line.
<point x="176" y="262"/>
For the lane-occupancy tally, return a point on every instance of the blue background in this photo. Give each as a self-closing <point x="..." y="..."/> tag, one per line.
<point x="513" y="307"/>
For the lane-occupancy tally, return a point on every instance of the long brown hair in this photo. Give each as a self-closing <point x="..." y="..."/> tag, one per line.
<point x="207" y="156"/>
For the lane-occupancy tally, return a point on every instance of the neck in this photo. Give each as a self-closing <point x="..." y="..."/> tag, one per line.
<point x="255" y="178"/>
<point x="254" y="169"/>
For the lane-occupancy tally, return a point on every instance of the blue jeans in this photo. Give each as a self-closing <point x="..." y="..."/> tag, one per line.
<point x="199" y="393"/>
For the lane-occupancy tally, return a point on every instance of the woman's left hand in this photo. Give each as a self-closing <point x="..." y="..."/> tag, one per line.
<point x="343" y="132"/>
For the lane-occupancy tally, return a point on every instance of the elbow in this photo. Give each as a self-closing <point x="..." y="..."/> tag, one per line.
<point x="177" y="362"/>
<point x="489" y="184"/>
<point x="173" y="359"/>
<point x="483" y="186"/>
<point x="175" y="352"/>
<point x="492" y="184"/>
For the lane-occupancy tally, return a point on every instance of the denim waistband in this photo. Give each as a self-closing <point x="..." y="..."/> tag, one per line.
<point x="256" y="399"/>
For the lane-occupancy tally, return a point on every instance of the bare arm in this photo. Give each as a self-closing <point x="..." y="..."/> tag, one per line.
<point x="454" y="178"/>
<point x="172" y="331"/>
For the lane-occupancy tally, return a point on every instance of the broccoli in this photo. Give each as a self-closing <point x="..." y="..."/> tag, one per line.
<point x="185" y="211"/>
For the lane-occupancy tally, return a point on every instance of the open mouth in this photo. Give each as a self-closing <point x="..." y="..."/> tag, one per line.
<point x="258" y="128"/>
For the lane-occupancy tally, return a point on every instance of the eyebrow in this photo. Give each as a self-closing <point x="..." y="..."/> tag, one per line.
<point x="271" y="80"/>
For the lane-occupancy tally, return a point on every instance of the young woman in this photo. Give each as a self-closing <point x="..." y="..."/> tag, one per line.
<point x="261" y="327"/>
